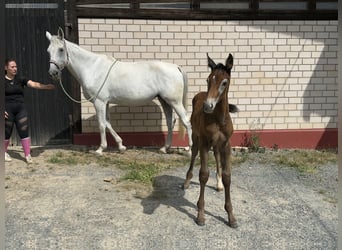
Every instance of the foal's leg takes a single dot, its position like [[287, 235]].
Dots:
[[170, 124], [203, 178], [218, 169], [194, 152], [116, 137], [226, 178]]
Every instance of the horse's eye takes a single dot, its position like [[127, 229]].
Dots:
[[224, 83], [61, 50]]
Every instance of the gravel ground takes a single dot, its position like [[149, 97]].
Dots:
[[85, 207]]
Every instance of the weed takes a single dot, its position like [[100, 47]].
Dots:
[[305, 160], [141, 172]]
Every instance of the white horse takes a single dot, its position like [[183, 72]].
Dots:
[[106, 80]]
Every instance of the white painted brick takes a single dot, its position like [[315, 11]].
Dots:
[[91, 27], [275, 64]]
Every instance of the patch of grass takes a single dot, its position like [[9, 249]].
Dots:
[[144, 170], [141, 172], [331, 200], [240, 158], [306, 161], [141, 166], [62, 159]]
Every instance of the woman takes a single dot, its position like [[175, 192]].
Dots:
[[15, 110]]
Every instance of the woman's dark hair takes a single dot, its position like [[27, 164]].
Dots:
[[7, 61]]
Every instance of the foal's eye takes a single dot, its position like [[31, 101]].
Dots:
[[61, 50], [224, 83]]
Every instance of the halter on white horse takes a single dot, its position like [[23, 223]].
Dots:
[[127, 83]]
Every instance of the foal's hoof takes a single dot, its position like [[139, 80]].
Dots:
[[200, 222], [186, 186], [233, 225]]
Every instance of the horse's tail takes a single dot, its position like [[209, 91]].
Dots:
[[181, 127]]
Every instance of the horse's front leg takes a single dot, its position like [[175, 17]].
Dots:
[[226, 178], [219, 184], [203, 178], [100, 108]]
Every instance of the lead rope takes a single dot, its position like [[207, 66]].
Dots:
[[93, 97]]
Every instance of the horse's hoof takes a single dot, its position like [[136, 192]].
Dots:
[[163, 150], [219, 189], [185, 186], [122, 149], [200, 222], [97, 152], [233, 225]]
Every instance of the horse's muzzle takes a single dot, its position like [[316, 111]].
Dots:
[[208, 107], [54, 72]]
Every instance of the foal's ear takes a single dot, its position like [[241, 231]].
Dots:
[[60, 33], [211, 63], [48, 35], [229, 62]]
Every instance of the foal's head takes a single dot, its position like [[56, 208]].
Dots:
[[218, 83]]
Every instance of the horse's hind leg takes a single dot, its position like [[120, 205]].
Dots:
[[116, 137], [194, 152], [181, 112], [170, 124]]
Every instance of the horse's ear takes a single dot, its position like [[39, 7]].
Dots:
[[229, 62], [211, 63], [48, 35], [60, 33]]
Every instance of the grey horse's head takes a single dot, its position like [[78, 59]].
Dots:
[[58, 54]]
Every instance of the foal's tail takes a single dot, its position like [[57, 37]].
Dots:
[[181, 127]]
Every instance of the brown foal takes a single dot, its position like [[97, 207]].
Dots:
[[212, 127]]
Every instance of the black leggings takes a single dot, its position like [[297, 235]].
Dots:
[[17, 115]]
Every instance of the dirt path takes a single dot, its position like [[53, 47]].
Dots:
[[84, 207]]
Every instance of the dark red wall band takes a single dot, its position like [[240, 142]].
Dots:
[[301, 138]]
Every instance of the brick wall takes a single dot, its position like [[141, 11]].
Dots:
[[284, 75]]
